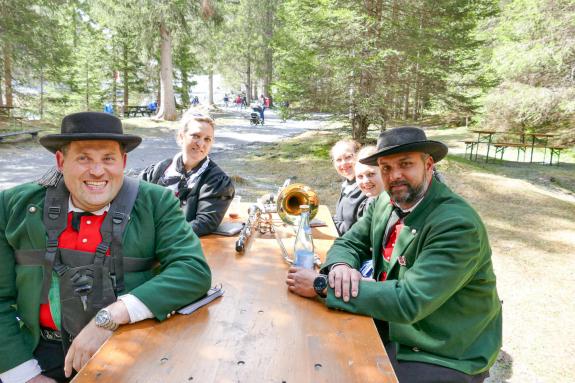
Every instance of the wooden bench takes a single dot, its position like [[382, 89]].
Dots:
[[32, 132], [501, 146], [470, 145]]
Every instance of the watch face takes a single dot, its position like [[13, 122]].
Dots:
[[320, 283], [102, 317]]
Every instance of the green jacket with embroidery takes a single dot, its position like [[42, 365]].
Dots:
[[440, 297], [157, 229]]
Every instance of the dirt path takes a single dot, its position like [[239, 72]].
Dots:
[[25, 160]]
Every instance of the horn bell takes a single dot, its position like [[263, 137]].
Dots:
[[291, 197]]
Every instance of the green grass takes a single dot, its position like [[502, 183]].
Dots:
[[306, 147]]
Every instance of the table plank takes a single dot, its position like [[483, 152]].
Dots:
[[258, 331]]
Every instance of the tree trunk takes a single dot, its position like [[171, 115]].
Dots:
[[114, 91], [1, 94], [185, 89], [87, 86], [406, 101], [126, 97], [359, 125], [41, 92], [159, 95], [268, 51], [167, 109], [8, 74], [249, 79], [211, 87]]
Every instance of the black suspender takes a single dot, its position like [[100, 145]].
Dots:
[[55, 221]]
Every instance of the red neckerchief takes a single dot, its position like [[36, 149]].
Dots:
[[387, 250]]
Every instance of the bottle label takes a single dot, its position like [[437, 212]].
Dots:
[[304, 259]]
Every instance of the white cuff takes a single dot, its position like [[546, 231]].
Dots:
[[136, 309], [21, 373]]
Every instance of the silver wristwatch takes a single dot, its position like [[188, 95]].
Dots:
[[104, 319]]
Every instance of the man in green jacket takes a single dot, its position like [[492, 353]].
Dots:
[[433, 298], [86, 252]]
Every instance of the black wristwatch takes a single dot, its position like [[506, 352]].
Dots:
[[104, 319], [319, 284]]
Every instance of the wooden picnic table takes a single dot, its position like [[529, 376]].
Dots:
[[32, 132], [534, 136], [257, 332], [6, 110], [134, 110], [483, 136], [526, 141]]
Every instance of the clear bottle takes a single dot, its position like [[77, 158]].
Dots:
[[303, 247]]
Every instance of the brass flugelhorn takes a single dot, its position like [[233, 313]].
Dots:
[[291, 197]]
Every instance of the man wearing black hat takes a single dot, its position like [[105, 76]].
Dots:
[[434, 297], [76, 254]]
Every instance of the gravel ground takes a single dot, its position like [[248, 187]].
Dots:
[[25, 160]]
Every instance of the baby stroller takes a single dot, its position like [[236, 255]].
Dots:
[[255, 116]]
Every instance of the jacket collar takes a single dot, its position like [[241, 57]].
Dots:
[[411, 226]]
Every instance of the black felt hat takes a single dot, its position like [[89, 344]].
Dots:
[[90, 126], [405, 139]]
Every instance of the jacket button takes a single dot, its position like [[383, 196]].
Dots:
[[169, 315], [32, 209], [413, 231], [415, 349]]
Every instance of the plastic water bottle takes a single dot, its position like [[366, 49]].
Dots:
[[303, 247]]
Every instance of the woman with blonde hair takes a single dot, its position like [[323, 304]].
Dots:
[[368, 179], [205, 191], [343, 156]]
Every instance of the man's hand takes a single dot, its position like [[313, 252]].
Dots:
[[300, 281], [344, 280], [91, 338], [41, 379], [84, 346]]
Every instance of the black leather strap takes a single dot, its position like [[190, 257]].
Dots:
[[35, 258], [55, 221]]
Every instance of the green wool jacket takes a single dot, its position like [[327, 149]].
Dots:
[[157, 229], [441, 302]]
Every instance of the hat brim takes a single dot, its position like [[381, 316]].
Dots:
[[53, 142], [437, 150]]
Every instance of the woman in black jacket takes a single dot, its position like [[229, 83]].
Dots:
[[205, 191]]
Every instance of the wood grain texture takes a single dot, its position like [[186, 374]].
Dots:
[[257, 332]]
